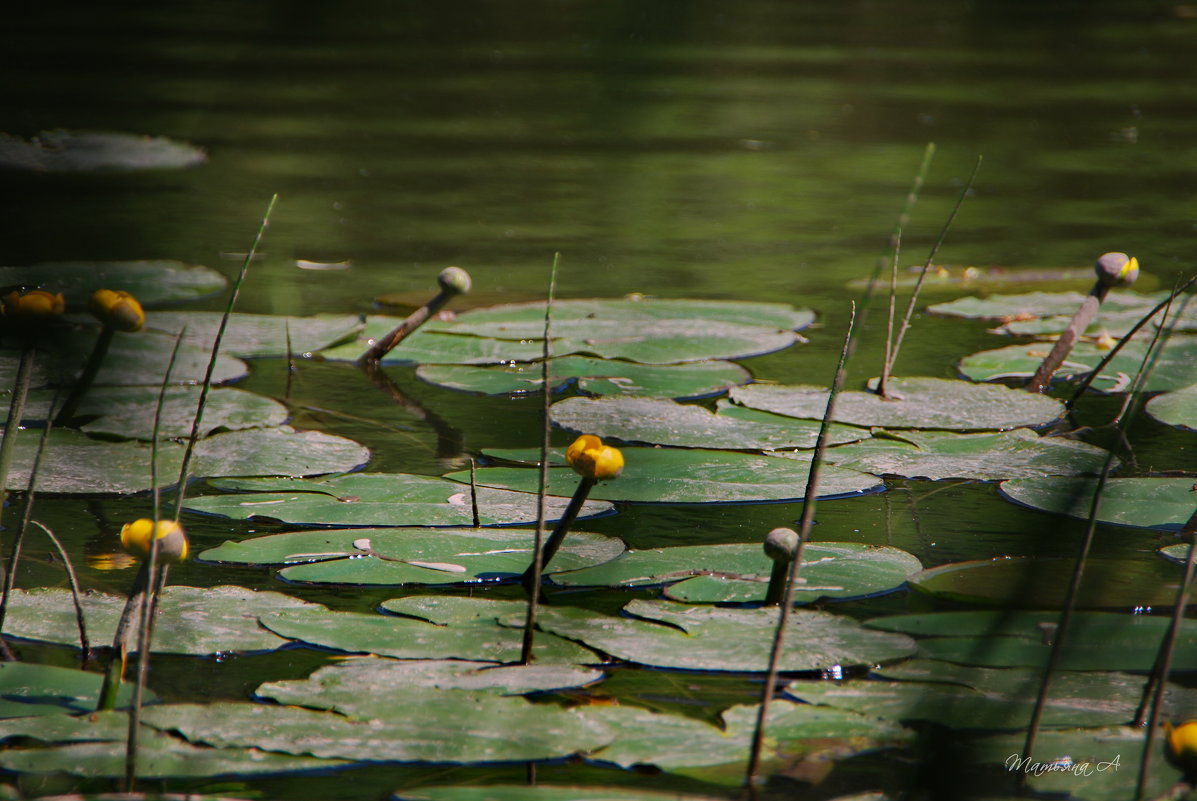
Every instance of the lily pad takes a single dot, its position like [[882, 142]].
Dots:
[[917, 403], [1012, 638], [86, 151], [1164, 503], [376, 499], [75, 463], [592, 377], [476, 637], [191, 620], [675, 475], [152, 282], [358, 686], [938, 455], [673, 635], [410, 556], [1035, 305], [430, 346], [1031, 583], [723, 573], [1172, 369], [28, 689], [257, 335], [1177, 408], [665, 422]]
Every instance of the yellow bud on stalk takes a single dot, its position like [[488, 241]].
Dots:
[[172, 540], [34, 303], [117, 309], [590, 458]]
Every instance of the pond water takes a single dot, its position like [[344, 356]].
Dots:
[[754, 151]]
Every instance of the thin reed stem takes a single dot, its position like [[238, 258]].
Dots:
[[73, 580]]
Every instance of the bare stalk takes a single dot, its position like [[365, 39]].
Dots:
[[453, 281], [73, 580]]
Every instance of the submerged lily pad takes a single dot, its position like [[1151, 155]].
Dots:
[[28, 689], [1012, 638], [151, 282], [673, 635], [938, 455], [675, 475], [1030, 583], [191, 620], [723, 573], [85, 151], [74, 463], [1172, 370], [1164, 503], [257, 335], [376, 499], [917, 403], [592, 377], [665, 422], [410, 556], [1177, 408]]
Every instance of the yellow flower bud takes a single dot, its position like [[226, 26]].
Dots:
[[172, 540], [1182, 744], [34, 303], [589, 457], [117, 309]]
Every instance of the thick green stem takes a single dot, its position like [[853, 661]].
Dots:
[[96, 360], [558, 536], [16, 410], [116, 667]]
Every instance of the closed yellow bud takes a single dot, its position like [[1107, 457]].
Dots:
[[589, 457], [117, 309], [1182, 745], [172, 540], [34, 303]]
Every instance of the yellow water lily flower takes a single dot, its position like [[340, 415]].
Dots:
[[34, 303], [589, 457], [117, 309], [172, 540], [1182, 744]]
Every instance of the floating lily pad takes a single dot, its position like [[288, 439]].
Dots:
[[86, 151], [151, 282], [592, 377], [431, 346], [722, 573], [27, 689], [376, 499], [665, 422], [191, 620], [1177, 408], [358, 686], [1164, 503], [918, 403], [410, 556], [478, 639], [673, 635], [1030, 583], [1012, 638], [257, 335], [955, 277], [516, 320], [965, 697], [938, 455], [1172, 370], [676, 475], [76, 463], [1034, 305]]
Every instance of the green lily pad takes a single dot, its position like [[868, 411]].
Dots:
[[85, 151], [1031, 583], [376, 499], [94, 746], [28, 689], [517, 320], [1012, 638], [431, 346], [1177, 408], [257, 335], [938, 455], [966, 697], [151, 282], [740, 573], [665, 422], [191, 620], [395, 557], [469, 632], [919, 403], [76, 463], [358, 686], [676, 475], [1164, 503], [1060, 305], [542, 792], [1172, 369], [592, 377], [673, 635]]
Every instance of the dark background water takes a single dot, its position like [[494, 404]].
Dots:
[[758, 150]]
